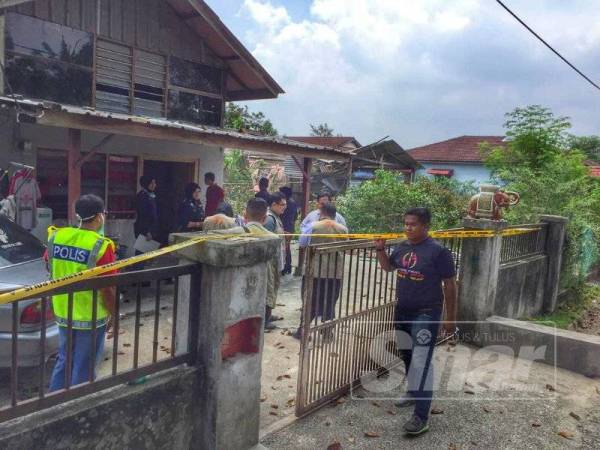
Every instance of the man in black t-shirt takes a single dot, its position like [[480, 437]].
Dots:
[[426, 280]]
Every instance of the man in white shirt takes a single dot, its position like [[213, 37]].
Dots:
[[323, 198]]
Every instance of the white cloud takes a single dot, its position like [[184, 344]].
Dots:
[[421, 70]]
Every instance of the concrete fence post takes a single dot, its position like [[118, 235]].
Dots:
[[229, 333], [555, 240], [480, 266]]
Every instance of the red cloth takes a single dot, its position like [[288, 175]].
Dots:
[[214, 196]]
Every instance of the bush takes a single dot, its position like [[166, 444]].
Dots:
[[378, 205]]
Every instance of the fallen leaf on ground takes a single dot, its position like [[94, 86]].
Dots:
[[550, 387], [375, 404], [279, 304], [274, 406], [391, 412], [340, 400], [291, 402], [536, 424], [274, 388], [566, 434], [334, 446], [486, 409], [281, 348], [328, 423], [469, 391], [126, 345], [575, 416], [351, 440], [263, 398], [273, 413], [437, 411], [371, 434], [451, 447], [280, 377], [287, 376]]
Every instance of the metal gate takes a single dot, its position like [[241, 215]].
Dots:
[[348, 301]]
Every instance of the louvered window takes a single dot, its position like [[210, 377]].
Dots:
[[129, 81]]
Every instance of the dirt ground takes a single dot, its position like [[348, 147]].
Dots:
[[589, 322]]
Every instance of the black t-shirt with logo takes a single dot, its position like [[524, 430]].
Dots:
[[420, 271]]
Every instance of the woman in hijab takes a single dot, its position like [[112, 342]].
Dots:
[[191, 212], [146, 222]]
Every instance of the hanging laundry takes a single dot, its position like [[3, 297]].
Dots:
[[26, 191]]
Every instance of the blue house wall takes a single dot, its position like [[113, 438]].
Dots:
[[462, 172]]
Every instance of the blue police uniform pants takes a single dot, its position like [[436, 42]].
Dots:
[[82, 352], [417, 335]]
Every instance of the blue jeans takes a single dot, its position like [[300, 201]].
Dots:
[[416, 336], [80, 361]]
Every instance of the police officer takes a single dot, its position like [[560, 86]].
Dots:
[[71, 250]]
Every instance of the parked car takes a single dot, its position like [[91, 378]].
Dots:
[[21, 264]]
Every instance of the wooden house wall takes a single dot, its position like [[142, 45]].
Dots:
[[146, 24]]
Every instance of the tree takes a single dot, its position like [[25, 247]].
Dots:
[[241, 119], [588, 145], [534, 137], [321, 129]]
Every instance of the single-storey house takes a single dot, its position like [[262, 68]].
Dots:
[[459, 158], [96, 93]]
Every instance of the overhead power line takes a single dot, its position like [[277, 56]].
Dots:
[[548, 45]]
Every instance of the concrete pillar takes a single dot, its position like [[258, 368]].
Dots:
[[480, 262], [228, 336], [74, 172], [555, 239]]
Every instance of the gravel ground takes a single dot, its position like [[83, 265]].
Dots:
[[479, 420]]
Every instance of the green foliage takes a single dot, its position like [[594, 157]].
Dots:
[[378, 205], [588, 145], [238, 180], [240, 119], [551, 180], [321, 129], [534, 138]]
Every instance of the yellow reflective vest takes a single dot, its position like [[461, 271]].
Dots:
[[71, 250]]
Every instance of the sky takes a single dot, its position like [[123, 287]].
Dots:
[[419, 71]]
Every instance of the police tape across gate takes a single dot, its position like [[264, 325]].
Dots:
[[41, 288]]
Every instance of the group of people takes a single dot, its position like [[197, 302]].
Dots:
[[425, 275]]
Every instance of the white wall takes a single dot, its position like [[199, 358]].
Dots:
[[462, 172]]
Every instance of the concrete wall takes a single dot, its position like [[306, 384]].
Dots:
[[462, 172], [524, 287], [158, 414]]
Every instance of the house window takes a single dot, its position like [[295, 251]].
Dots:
[[195, 92], [441, 172], [48, 61]]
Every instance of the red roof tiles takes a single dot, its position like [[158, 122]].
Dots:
[[459, 149]]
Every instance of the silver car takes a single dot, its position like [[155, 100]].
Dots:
[[21, 264]]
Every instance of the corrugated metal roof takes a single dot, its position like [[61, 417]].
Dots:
[[39, 107]]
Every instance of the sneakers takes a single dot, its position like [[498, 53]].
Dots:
[[405, 402], [415, 426]]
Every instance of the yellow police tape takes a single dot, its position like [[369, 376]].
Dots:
[[41, 288]]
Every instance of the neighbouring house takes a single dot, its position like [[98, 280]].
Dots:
[[594, 168], [97, 93], [336, 176], [459, 158]]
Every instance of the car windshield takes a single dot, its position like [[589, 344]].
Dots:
[[17, 245]]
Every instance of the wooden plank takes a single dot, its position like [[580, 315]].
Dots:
[[74, 172], [58, 11], [74, 14], [116, 20], [42, 9], [153, 25], [26, 8], [129, 17], [306, 186], [141, 20], [104, 18], [89, 9]]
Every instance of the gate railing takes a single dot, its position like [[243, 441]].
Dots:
[[348, 301], [524, 245], [153, 293]]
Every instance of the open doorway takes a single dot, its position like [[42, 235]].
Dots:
[[171, 178]]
